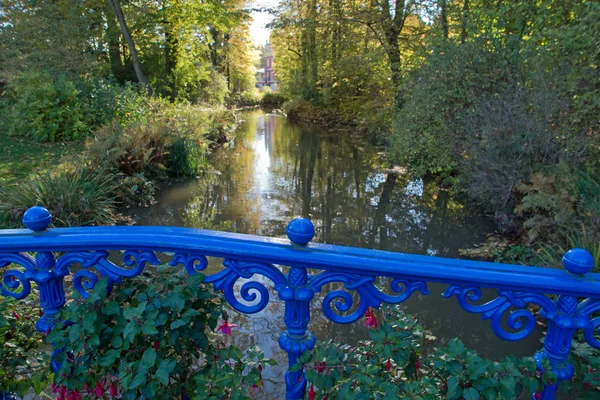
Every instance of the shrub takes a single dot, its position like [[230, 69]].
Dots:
[[392, 364], [135, 190], [152, 339], [23, 365], [188, 157], [214, 89], [45, 107], [77, 197], [247, 98], [273, 99]]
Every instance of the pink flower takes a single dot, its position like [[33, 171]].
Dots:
[[311, 393], [156, 345], [112, 390], [371, 321], [226, 328], [98, 390], [388, 365], [74, 395]]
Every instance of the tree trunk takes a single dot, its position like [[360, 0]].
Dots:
[[394, 57], [137, 66], [444, 18], [114, 47]]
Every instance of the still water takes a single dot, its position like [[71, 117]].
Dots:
[[273, 171]]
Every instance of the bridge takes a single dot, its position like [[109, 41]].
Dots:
[[567, 298]]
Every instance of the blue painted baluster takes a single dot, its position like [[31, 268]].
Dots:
[[562, 325], [48, 280], [297, 296]]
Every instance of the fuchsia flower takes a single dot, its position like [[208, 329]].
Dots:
[[417, 364], [156, 345], [226, 328], [311, 393], [371, 321], [75, 395], [321, 367], [388, 365], [17, 316], [98, 390], [112, 390]]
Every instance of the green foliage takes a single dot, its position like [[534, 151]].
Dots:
[[188, 157], [213, 90], [247, 98], [393, 365], [23, 365], [135, 190], [273, 99], [44, 107], [153, 339], [74, 197]]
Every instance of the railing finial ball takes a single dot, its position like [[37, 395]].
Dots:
[[578, 261], [300, 231], [37, 218]]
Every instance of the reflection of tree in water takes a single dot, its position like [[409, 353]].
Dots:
[[274, 170]]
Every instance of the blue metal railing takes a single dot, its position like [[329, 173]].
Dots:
[[57, 250]]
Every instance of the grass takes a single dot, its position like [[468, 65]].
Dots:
[[21, 158]]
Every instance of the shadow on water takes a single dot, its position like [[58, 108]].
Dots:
[[274, 170]]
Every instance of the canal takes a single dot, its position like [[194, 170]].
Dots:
[[274, 170]]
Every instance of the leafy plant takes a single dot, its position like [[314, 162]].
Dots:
[[152, 338], [76, 197], [45, 107], [393, 365], [23, 365]]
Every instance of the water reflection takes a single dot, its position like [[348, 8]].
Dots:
[[273, 171]]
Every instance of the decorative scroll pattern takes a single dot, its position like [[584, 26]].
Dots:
[[226, 279], [591, 328], [521, 321], [369, 295], [14, 279]]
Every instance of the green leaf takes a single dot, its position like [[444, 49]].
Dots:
[[162, 376], [148, 358], [377, 335], [177, 323], [111, 308], [470, 394], [139, 379], [109, 358]]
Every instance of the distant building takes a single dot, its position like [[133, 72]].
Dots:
[[265, 76]]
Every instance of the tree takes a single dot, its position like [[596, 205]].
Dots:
[[137, 66]]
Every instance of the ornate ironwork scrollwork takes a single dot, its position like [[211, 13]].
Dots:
[[369, 294], [250, 291], [520, 320], [14, 279]]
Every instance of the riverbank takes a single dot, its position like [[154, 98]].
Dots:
[[88, 182], [548, 213]]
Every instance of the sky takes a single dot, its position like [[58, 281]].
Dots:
[[258, 31]]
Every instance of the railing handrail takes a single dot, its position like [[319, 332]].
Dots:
[[327, 257], [357, 269]]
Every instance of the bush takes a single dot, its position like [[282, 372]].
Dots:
[[23, 365], [273, 99], [152, 339], [214, 90], [392, 364], [78, 197], [134, 190], [188, 157], [248, 98], [45, 107]]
